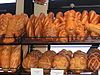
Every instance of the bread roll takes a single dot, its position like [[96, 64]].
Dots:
[[15, 59], [5, 57]]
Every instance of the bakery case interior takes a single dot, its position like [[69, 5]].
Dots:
[[67, 39]]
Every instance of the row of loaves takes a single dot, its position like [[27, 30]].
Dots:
[[10, 57], [76, 62], [68, 26]]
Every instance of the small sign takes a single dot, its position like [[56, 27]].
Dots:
[[86, 73], [99, 72], [57, 72], [36, 71]]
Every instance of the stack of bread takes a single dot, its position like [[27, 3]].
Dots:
[[70, 26], [64, 27], [10, 58], [76, 62], [12, 26]]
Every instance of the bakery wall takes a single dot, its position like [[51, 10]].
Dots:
[[20, 6], [41, 48]]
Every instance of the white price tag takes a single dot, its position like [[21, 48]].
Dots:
[[57, 72], [36, 71], [99, 72]]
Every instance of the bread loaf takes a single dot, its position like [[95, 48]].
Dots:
[[4, 22], [15, 58], [47, 59], [79, 62], [31, 61], [94, 59], [5, 57], [60, 62], [66, 53]]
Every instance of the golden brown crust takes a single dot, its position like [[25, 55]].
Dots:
[[45, 62], [5, 57], [85, 17], [66, 53], [37, 53], [94, 59], [15, 59], [29, 29], [92, 14], [80, 53], [60, 62], [63, 36], [31, 61], [51, 31], [78, 64]]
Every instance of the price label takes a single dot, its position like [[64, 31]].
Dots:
[[36, 71], [57, 72], [99, 72]]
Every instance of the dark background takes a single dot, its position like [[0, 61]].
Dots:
[[8, 8], [57, 5], [54, 6]]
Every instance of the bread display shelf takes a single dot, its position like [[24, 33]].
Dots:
[[28, 73], [42, 41]]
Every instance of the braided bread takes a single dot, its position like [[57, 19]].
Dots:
[[94, 59]]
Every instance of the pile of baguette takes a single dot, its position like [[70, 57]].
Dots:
[[64, 27]]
